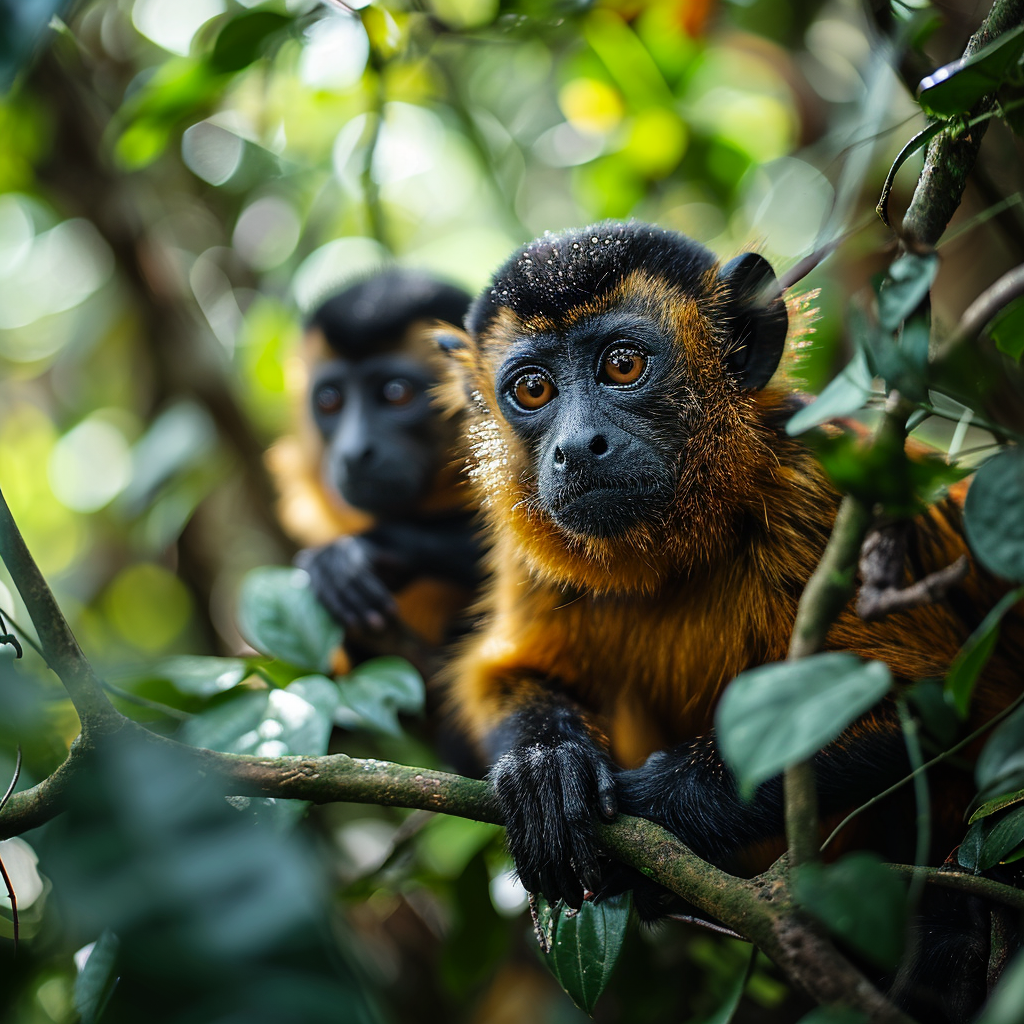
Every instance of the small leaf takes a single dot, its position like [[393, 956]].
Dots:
[[994, 514], [904, 287], [859, 900], [996, 804], [585, 946], [989, 840], [244, 38], [98, 977], [956, 87], [974, 655], [199, 675], [1007, 330], [776, 715], [845, 394], [374, 693], [1000, 766], [278, 613]]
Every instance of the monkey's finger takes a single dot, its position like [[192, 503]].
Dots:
[[606, 799], [374, 600]]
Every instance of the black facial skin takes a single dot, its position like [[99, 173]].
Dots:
[[591, 401], [380, 430]]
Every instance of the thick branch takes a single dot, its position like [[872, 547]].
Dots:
[[951, 156]]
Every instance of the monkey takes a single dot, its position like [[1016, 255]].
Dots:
[[653, 527], [370, 486]]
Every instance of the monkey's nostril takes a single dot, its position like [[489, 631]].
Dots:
[[559, 457], [599, 445]]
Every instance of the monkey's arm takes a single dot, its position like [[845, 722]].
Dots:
[[691, 792], [554, 783], [354, 577]]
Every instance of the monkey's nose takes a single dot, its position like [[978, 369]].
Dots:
[[580, 450]]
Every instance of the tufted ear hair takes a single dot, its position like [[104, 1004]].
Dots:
[[456, 389], [757, 318], [450, 339]]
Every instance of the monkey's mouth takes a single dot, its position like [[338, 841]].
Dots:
[[606, 512]]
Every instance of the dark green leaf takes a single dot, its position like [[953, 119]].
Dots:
[[904, 287], [96, 981], [374, 693], [1000, 767], [1006, 1004], [991, 838], [728, 1007], [776, 715], [859, 900], [956, 87], [244, 39], [279, 615], [847, 392], [269, 723], [938, 719], [994, 514], [199, 675], [834, 1015], [585, 946], [1007, 330], [997, 804], [974, 654]]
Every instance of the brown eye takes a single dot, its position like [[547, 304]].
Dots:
[[328, 399], [533, 390], [622, 365], [398, 392]]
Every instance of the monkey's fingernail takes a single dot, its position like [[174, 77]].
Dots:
[[375, 620]]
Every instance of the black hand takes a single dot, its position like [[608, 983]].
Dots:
[[344, 577], [552, 795]]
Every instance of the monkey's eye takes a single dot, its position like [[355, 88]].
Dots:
[[533, 390], [328, 399], [398, 392], [622, 364]]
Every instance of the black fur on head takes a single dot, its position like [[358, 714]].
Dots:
[[559, 273], [373, 315]]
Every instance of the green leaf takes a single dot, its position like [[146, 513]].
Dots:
[[585, 945], [1000, 767], [199, 675], [990, 839], [728, 1007], [859, 900], [904, 287], [448, 844], [845, 394], [1005, 1004], [375, 692], [956, 87], [996, 804], [994, 514], [974, 654], [1007, 330], [244, 39], [279, 615], [776, 715], [96, 981], [834, 1015], [269, 723]]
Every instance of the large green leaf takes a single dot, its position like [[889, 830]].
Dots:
[[1000, 767], [974, 654], [279, 615], [859, 900], [1006, 1004], [955, 88], [1007, 330], [96, 981], [779, 714], [994, 514], [991, 838], [585, 945], [904, 287], [245, 38], [376, 692], [199, 675], [269, 723], [845, 394]]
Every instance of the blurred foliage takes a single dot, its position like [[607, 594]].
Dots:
[[180, 182]]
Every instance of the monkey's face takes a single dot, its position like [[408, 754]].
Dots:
[[597, 406], [384, 442]]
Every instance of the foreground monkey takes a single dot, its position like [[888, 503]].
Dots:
[[370, 482], [653, 529]]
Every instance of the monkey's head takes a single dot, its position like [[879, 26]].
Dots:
[[372, 368], [616, 379]]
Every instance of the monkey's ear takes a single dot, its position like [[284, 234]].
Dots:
[[449, 339], [758, 321]]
